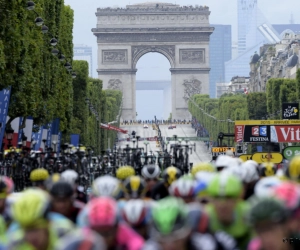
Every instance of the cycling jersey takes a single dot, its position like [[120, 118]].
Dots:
[[197, 241], [159, 191], [239, 229], [128, 239]]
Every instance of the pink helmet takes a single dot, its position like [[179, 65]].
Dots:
[[102, 211], [289, 193]]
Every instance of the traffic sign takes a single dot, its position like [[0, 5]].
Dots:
[[222, 149], [290, 152], [245, 157], [267, 157]]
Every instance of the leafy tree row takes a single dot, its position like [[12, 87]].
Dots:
[[41, 86], [105, 102]]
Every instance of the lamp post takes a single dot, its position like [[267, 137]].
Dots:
[[146, 144]]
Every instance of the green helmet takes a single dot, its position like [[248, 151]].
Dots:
[[225, 185], [169, 215], [267, 209]]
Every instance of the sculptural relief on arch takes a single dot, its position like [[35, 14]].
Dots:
[[180, 33]]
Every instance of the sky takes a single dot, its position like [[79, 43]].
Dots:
[[222, 12]]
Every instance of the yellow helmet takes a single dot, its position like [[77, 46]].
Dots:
[[203, 166], [171, 174], [125, 172], [293, 170], [39, 174], [268, 169], [31, 208], [134, 186]]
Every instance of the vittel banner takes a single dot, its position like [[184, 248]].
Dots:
[[285, 133]]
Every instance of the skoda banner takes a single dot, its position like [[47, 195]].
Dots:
[[290, 111], [290, 152]]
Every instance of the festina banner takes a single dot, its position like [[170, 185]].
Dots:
[[285, 133], [252, 133], [290, 111]]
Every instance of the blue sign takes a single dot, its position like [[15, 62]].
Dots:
[[37, 137], [49, 134], [58, 143], [4, 103], [55, 126], [263, 131], [20, 130], [75, 140]]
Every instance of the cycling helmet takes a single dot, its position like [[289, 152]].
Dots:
[[171, 174], [265, 186], [224, 161], [31, 208], [289, 194], [80, 239], [102, 211], [293, 170], [150, 171], [39, 174], [268, 209], [203, 166], [62, 189], [169, 215], [125, 172], [251, 172], [267, 169], [10, 200], [10, 186], [134, 186], [281, 175], [183, 188], [237, 171], [225, 185], [106, 186], [70, 176], [135, 213], [3, 188], [51, 180]]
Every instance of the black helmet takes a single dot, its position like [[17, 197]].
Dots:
[[62, 189], [150, 171]]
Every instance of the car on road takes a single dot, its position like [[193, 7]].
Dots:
[[146, 126], [174, 125], [170, 127]]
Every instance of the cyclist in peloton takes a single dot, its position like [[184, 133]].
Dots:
[[151, 175]]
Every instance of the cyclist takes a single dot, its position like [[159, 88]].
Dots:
[[72, 177], [265, 186], [36, 231], [81, 239], [171, 230], [124, 172], [202, 167], [224, 161], [63, 201], [267, 169], [103, 219], [269, 218], [169, 175], [134, 187], [151, 175], [136, 213], [293, 169], [227, 211], [38, 177], [251, 177]]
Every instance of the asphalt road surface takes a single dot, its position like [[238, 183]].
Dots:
[[201, 153]]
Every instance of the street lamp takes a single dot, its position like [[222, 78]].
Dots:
[[55, 52], [74, 75], [61, 57], [9, 135], [39, 21], [53, 41], [67, 65], [45, 29], [146, 144], [30, 5]]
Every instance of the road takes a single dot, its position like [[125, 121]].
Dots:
[[200, 155]]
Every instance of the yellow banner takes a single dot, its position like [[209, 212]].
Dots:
[[221, 149], [268, 122], [245, 157], [267, 157]]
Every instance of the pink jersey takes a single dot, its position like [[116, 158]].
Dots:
[[128, 238]]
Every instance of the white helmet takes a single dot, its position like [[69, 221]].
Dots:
[[150, 171], [251, 173], [204, 176], [225, 161], [106, 186], [69, 176], [135, 212], [183, 187], [236, 170], [265, 186]]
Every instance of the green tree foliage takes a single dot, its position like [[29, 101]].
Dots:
[[257, 105], [41, 86]]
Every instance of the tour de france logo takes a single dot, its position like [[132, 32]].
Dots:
[[290, 111]]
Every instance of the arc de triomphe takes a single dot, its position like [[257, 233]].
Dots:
[[180, 33]]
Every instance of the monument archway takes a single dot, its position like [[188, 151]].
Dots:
[[180, 33]]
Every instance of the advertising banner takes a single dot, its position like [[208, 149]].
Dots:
[[37, 137], [221, 150], [290, 152], [285, 133], [267, 157], [245, 157], [290, 111], [4, 103], [252, 133]]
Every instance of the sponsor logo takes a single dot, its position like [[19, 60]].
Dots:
[[262, 139], [239, 133], [259, 131]]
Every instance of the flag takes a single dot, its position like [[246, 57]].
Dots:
[[4, 104], [37, 137], [59, 142], [75, 140], [49, 134]]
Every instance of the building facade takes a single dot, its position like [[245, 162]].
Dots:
[[85, 53], [220, 48], [221, 88], [279, 60]]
